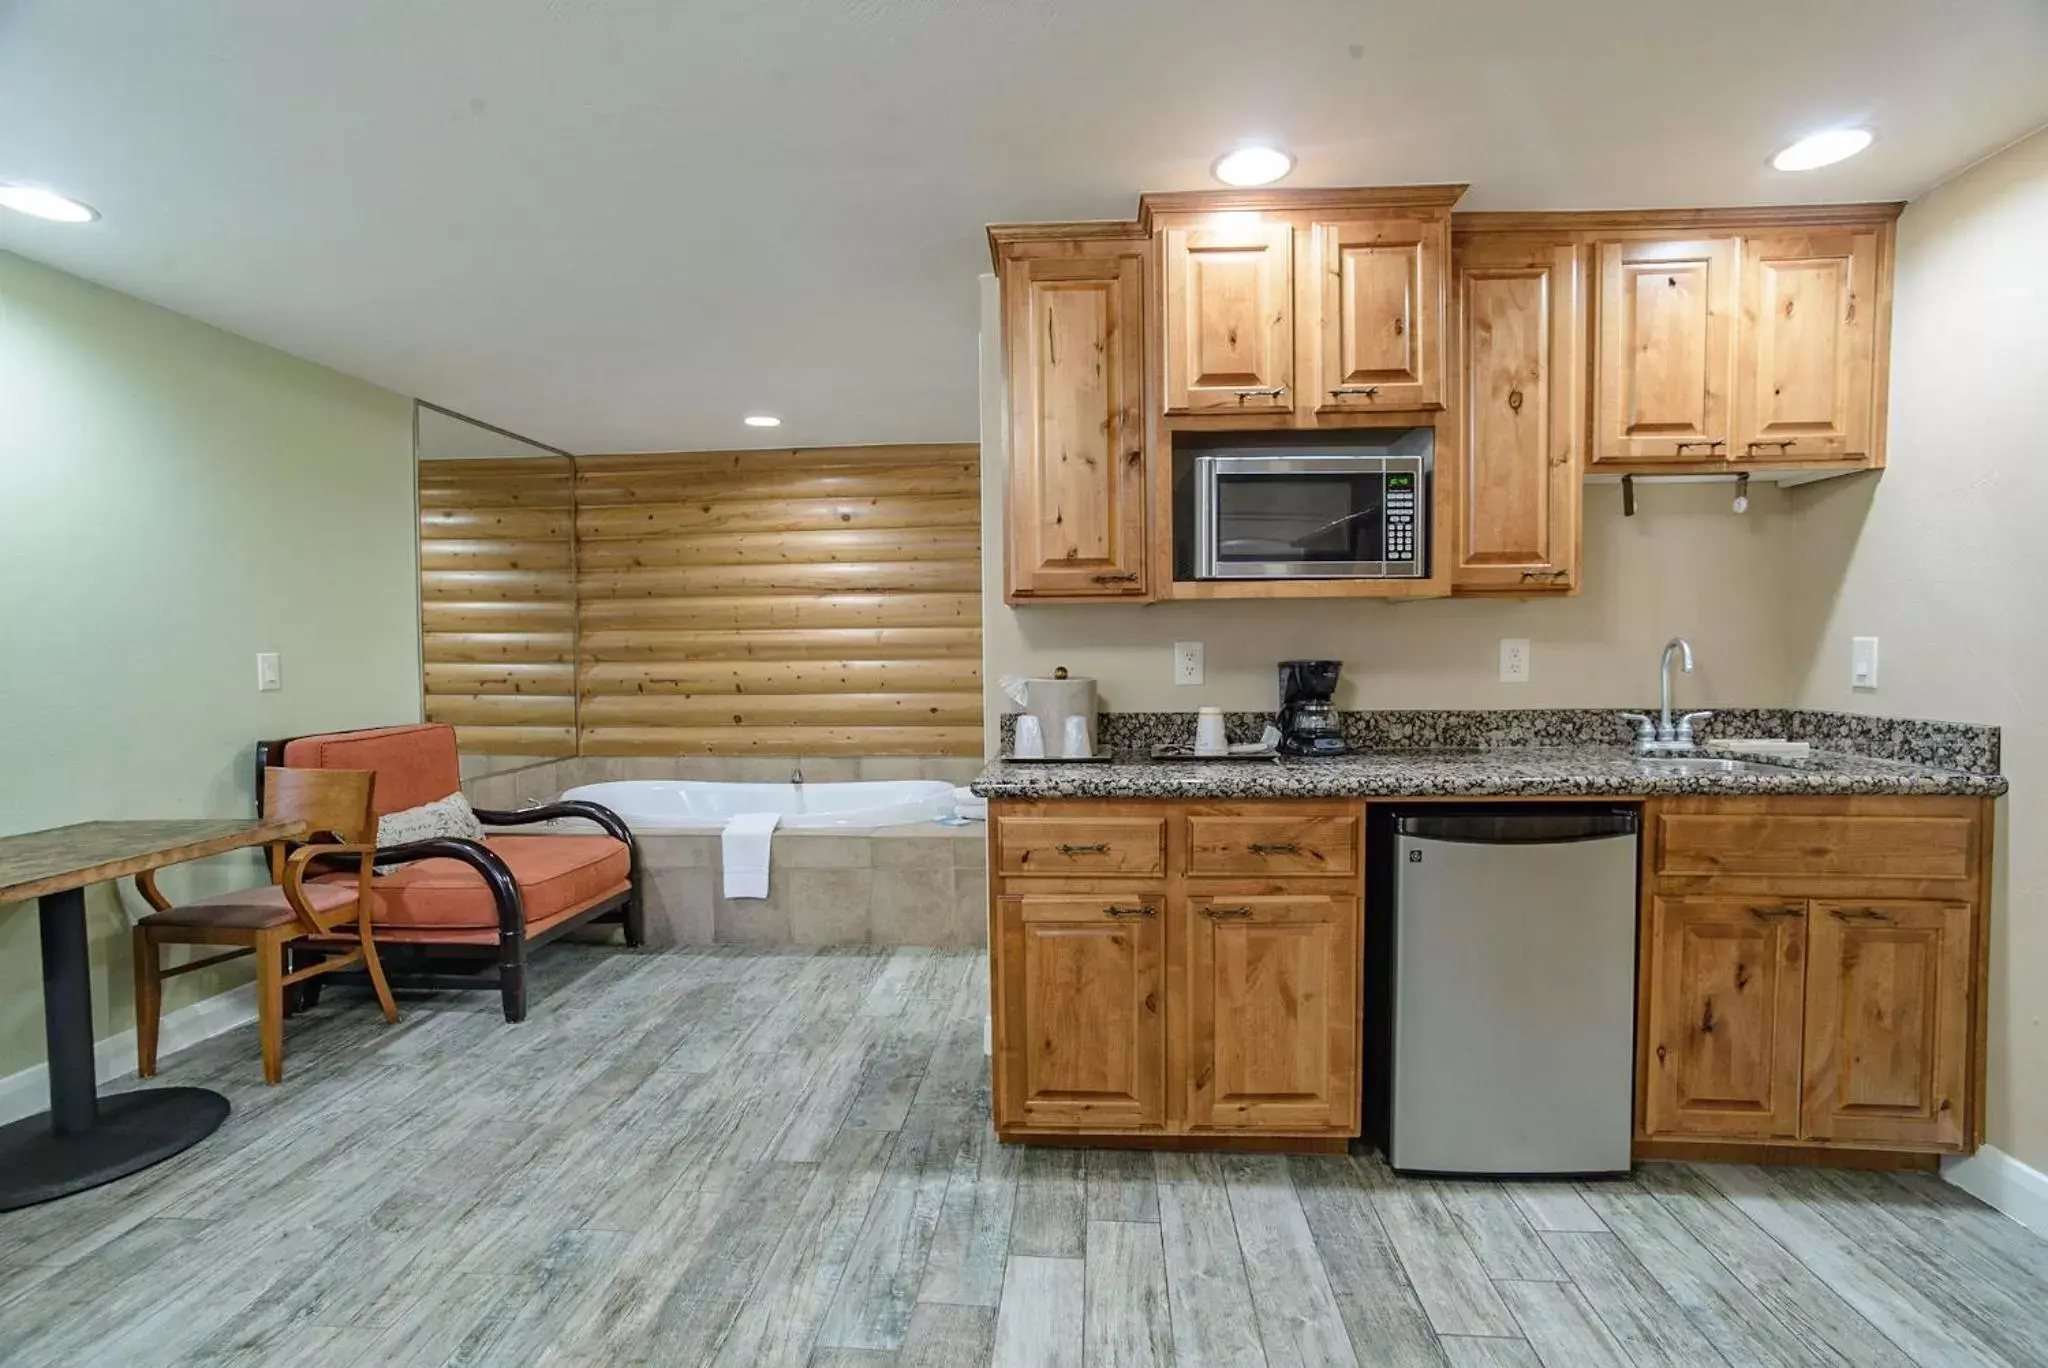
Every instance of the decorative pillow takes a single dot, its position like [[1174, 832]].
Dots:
[[444, 817]]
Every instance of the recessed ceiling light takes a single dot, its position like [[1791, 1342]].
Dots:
[[1822, 149], [1252, 166], [762, 420], [37, 202]]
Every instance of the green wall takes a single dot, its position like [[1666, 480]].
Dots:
[[174, 499]]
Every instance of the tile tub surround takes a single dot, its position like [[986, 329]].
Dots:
[[1500, 772], [1959, 746], [925, 884]]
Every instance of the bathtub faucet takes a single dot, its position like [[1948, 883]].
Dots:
[[796, 773]]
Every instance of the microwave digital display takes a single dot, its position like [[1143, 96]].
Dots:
[[1312, 514]]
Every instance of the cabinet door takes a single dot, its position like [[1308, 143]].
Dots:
[[1229, 318], [1520, 315], [1076, 526], [1806, 362], [1270, 1025], [1722, 1037], [1080, 1040], [1664, 351], [1888, 1023], [1382, 313]]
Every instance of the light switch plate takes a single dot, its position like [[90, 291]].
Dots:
[[1514, 660], [1863, 662], [269, 675], [1187, 662]]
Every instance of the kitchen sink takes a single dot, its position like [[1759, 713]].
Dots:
[[1704, 764]]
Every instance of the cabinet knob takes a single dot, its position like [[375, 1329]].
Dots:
[[1226, 913]]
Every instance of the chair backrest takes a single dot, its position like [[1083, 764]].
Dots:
[[340, 802], [414, 764]]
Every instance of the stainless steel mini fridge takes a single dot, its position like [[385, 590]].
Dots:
[[1513, 1013]]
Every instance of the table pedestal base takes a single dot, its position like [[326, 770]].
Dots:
[[134, 1130]]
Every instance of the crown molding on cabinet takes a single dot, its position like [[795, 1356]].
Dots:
[[1776, 217]]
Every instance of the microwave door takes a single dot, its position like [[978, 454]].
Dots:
[[1295, 524]]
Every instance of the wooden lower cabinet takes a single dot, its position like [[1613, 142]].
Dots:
[[1793, 995], [1213, 993], [1270, 1031], [1082, 1043]]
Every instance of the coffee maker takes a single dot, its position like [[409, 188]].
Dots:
[[1308, 719]]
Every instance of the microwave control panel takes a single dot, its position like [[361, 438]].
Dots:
[[1400, 513]]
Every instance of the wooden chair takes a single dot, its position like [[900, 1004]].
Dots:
[[328, 915]]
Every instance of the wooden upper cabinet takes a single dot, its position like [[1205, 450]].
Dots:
[[1081, 993], [1806, 363], [1888, 1022], [1229, 317], [1075, 351], [1271, 1013], [1664, 351], [1726, 982], [1518, 311], [1382, 343]]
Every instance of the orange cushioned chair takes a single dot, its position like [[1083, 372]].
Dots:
[[439, 903]]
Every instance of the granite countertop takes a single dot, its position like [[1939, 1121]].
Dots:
[[1509, 771]]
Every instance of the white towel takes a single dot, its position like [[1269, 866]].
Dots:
[[744, 846]]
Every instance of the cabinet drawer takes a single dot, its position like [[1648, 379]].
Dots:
[[1273, 845], [1081, 845], [1860, 847]]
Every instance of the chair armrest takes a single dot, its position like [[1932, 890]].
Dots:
[[597, 813], [300, 860]]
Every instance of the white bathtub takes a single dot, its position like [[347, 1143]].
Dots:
[[684, 805]]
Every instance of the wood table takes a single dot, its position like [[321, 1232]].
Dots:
[[85, 1140]]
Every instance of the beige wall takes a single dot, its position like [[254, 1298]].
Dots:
[[1686, 564], [174, 499], [1944, 560]]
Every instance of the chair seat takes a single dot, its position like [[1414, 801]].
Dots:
[[556, 874], [253, 909]]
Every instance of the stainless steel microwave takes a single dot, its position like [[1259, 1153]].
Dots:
[[1325, 512]]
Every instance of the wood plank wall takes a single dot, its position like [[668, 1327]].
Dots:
[[823, 601], [498, 603]]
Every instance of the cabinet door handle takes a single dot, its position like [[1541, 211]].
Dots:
[[1226, 913], [1275, 848], [1146, 910], [1268, 392], [1683, 447], [1776, 913], [1099, 848], [1362, 391], [1546, 574], [1783, 446], [1121, 577], [1859, 914]]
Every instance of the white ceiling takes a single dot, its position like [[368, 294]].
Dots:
[[622, 224]]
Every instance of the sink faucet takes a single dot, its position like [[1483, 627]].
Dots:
[[1660, 736]]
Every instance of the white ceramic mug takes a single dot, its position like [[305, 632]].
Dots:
[[1209, 739], [1030, 738], [1074, 744]]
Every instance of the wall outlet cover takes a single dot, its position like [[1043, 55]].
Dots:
[[1187, 662], [1514, 660], [269, 675], [1863, 662]]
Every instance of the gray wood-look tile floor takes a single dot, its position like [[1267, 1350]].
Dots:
[[783, 1157]]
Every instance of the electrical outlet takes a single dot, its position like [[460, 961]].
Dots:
[[1187, 662], [269, 679], [1514, 660], [1863, 663]]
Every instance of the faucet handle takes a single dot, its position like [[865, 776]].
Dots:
[[1686, 724], [1646, 727]]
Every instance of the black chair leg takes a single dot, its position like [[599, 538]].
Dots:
[[635, 922], [512, 990]]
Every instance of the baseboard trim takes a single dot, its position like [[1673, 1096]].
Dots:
[[2002, 1182], [28, 1092]]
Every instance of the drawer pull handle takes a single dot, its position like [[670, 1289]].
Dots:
[[1859, 914], [1147, 910], [1123, 577], [1776, 913], [1263, 392], [1683, 447], [1226, 913], [1275, 848], [1783, 446], [1099, 848], [1362, 391]]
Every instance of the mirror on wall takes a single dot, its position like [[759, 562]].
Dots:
[[497, 601]]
